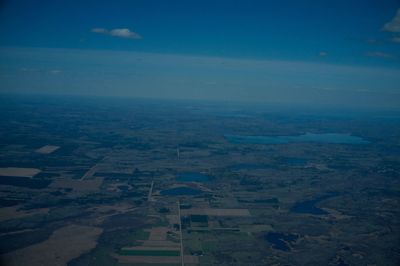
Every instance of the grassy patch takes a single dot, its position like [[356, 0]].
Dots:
[[125, 252]]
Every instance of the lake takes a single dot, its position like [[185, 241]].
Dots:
[[177, 191], [280, 240], [309, 207], [308, 137]]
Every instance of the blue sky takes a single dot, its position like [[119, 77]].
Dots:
[[337, 48]]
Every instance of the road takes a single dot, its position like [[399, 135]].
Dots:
[[180, 231], [150, 191]]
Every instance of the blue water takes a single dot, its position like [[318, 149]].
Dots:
[[280, 240], [309, 207], [177, 191], [308, 137], [192, 177]]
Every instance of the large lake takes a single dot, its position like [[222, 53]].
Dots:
[[308, 137], [309, 207]]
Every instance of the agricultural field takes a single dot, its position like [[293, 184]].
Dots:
[[47, 149], [63, 245], [135, 182], [18, 172]]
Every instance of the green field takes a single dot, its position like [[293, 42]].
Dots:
[[150, 252]]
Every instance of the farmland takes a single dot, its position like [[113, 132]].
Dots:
[[135, 182]]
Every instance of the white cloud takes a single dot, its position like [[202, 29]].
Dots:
[[40, 71], [328, 89], [99, 30], [122, 33], [27, 69], [125, 33], [380, 54], [55, 72], [372, 41], [323, 54], [394, 25], [396, 39]]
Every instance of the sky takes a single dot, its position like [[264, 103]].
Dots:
[[299, 51]]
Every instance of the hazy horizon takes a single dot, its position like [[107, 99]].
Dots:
[[309, 53], [171, 76]]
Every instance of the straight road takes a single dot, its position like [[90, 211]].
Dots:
[[180, 230]]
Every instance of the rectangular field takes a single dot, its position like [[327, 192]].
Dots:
[[158, 233], [216, 212], [63, 245], [78, 185], [148, 259], [130, 252], [18, 172], [47, 149], [189, 259]]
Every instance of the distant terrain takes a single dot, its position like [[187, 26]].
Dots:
[[96, 181]]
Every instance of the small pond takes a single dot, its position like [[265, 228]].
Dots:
[[280, 241]]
